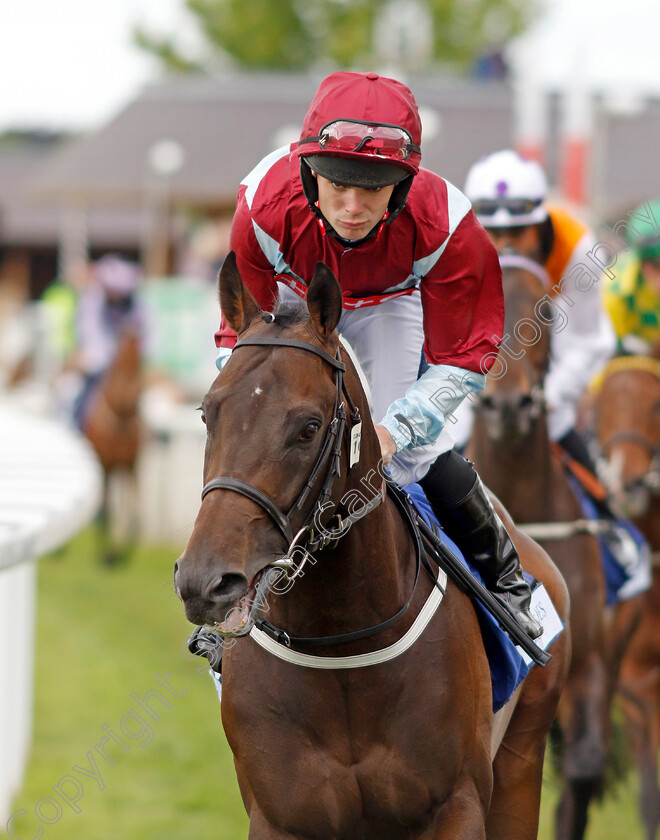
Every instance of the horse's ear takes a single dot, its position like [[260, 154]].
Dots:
[[236, 301], [324, 300]]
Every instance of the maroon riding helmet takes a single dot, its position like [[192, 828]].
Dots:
[[361, 130]]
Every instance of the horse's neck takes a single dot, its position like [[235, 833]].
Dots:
[[364, 580], [522, 474], [121, 384]]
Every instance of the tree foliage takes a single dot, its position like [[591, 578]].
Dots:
[[299, 34]]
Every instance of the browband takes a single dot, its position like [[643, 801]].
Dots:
[[292, 342]]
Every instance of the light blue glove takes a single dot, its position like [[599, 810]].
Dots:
[[419, 416], [223, 354]]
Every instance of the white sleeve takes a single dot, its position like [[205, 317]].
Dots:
[[419, 416], [223, 356], [583, 345]]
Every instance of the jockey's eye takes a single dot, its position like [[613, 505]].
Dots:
[[310, 430], [342, 187]]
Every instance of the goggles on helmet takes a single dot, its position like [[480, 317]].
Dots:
[[382, 139], [515, 206]]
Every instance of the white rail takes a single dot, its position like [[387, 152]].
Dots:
[[50, 487]]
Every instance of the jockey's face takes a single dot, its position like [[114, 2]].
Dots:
[[523, 240], [352, 211]]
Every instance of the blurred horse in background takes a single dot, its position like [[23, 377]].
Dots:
[[513, 453], [111, 424], [627, 419]]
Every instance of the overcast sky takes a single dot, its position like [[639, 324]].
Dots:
[[70, 63]]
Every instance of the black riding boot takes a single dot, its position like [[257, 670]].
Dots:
[[477, 530]]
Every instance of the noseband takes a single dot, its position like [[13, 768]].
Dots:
[[329, 456]]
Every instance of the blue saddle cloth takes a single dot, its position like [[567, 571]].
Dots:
[[616, 576], [508, 668]]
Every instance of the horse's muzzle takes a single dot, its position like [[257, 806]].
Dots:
[[208, 598]]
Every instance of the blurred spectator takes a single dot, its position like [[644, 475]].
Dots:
[[491, 66], [632, 296], [105, 307], [60, 301]]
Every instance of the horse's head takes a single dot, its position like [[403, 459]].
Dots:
[[278, 419], [513, 398], [627, 409]]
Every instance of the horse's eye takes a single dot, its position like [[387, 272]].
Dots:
[[204, 419], [310, 430]]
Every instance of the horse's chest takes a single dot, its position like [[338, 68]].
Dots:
[[342, 758], [328, 794]]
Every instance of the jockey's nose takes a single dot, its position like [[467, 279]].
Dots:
[[354, 201], [208, 597]]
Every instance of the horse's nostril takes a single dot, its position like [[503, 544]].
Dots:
[[232, 585]]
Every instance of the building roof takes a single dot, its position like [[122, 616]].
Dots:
[[26, 220], [226, 125]]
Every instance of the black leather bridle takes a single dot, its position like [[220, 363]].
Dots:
[[329, 457]]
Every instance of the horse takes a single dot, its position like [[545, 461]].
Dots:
[[363, 743], [512, 451], [627, 424], [111, 424]]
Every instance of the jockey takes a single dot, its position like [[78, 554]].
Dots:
[[632, 297], [508, 195], [416, 270]]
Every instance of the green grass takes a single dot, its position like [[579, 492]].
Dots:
[[102, 635], [613, 818]]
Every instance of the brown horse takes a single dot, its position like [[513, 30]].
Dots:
[[513, 453], [111, 424], [352, 746], [627, 414]]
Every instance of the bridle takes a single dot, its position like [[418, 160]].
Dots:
[[329, 459], [330, 456], [533, 400], [651, 478]]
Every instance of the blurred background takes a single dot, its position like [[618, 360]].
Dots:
[[125, 129]]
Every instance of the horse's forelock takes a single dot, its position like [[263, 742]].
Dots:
[[289, 312]]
